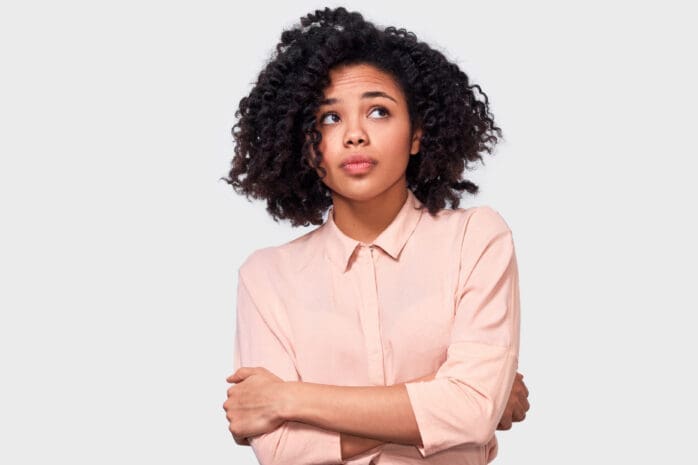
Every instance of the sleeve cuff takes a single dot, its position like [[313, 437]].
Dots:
[[454, 410], [430, 438], [295, 442]]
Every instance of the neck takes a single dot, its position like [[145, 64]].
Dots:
[[364, 220]]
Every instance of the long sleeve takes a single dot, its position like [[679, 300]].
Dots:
[[259, 343], [465, 401]]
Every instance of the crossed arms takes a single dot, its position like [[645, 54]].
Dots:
[[474, 392], [351, 411]]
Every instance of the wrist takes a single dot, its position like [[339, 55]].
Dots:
[[287, 406]]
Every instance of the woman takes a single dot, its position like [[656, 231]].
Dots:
[[389, 334]]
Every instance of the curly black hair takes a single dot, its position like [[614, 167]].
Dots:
[[277, 124]]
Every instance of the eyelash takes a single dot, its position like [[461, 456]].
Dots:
[[383, 109]]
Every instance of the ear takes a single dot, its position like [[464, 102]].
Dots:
[[416, 137]]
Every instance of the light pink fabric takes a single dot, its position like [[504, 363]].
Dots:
[[431, 292]]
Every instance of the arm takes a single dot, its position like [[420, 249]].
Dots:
[[515, 411], [355, 445], [376, 412], [259, 342], [465, 401]]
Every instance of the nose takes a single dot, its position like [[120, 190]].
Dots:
[[355, 135]]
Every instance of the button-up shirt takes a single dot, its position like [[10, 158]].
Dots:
[[432, 293]]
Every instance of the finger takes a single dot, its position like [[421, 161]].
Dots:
[[505, 420], [241, 441], [524, 389], [525, 404], [518, 414], [504, 424]]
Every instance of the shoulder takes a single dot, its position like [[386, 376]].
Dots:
[[484, 229], [474, 227], [485, 219], [480, 219], [269, 263]]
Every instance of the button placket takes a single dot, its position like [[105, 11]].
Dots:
[[372, 328]]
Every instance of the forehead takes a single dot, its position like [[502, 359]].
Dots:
[[359, 78]]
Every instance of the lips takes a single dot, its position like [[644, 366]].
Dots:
[[358, 165], [357, 159]]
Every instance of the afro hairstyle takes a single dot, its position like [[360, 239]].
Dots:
[[276, 122]]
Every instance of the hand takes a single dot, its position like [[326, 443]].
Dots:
[[254, 404], [517, 405]]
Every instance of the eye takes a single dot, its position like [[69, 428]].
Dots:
[[384, 111], [327, 118]]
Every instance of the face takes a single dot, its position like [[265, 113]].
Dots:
[[364, 114]]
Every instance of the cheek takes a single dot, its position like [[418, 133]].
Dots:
[[328, 142], [399, 143]]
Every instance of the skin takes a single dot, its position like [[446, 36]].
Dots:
[[379, 127], [366, 417], [364, 205]]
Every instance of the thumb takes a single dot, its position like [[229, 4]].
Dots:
[[239, 375]]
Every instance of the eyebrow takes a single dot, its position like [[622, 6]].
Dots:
[[365, 95]]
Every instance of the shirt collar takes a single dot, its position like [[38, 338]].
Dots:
[[339, 247]]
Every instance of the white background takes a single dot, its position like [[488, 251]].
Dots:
[[120, 245]]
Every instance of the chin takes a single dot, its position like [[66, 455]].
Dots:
[[360, 195]]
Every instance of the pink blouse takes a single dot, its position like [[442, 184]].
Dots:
[[431, 292]]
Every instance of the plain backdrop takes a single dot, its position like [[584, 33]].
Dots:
[[120, 246]]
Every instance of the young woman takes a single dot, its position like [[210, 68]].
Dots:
[[390, 333]]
